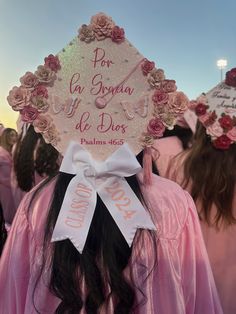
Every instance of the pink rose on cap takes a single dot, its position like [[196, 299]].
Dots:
[[156, 128], [52, 62], [42, 123], [222, 142], [45, 75], [178, 103], [41, 91], [86, 33], [230, 78], [18, 98], [232, 134], [160, 98], [29, 80], [215, 129], [226, 122], [117, 34], [102, 26], [29, 114], [169, 86], [147, 66]]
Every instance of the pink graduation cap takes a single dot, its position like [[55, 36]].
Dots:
[[99, 91], [216, 111]]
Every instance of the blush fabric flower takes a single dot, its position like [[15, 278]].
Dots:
[[208, 118], [155, 77], [226, 122], [117, 34], [102, 25], [168, 120], [156, 128], [215, 130], [232, 134], [29, 114], [222, 142], [39, 103], [86, 33], [45, 75], [169, 86], [200, 109], [147, 67], [147, 140], [51, 136], [29, 80], [230, 77], [160, 98], [52, 62], [178, 103], [18, 98], [41, 91], [42, 123]]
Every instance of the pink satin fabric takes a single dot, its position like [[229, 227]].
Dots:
[[6, 195], [220, 244], [182, 282], [166, 148]]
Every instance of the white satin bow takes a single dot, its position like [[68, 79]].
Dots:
[[107, 179]]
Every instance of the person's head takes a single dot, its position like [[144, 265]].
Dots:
[[8, 138], [210, 165], [32, 155]]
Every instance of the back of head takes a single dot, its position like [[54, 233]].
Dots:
[[8, 138], [210, 165], [33, 154]]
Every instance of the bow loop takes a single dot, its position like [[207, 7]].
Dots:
[[107, 179]]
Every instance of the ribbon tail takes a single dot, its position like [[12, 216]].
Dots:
[[125, 208], [76, 213]]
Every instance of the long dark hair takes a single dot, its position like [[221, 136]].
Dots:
[[212, 173], [3, 231], [25, 165], [105, 256]]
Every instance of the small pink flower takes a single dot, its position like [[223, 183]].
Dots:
[[41, 91], [178, 103], [51, 136], [42, 123], [230, 78], [29, 114], [232, 134], [39, 103], [222, 142], [208, 118], [18, 98], [215, 130], [45, 75], [160, 98], [169, 86], [156, 128], [102, 26], [226, 122], [155, 77], [117, 34], [86, 33], [147, 67], [200, 109], [52, 62], [29, 80]]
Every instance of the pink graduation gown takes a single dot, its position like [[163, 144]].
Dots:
[[220, 245], [182, 282], [6, 195]]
